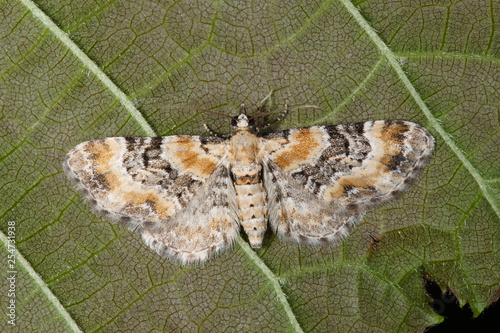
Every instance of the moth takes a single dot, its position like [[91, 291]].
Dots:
[[189, 195]]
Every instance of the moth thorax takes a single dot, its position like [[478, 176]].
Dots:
[[252, 203]]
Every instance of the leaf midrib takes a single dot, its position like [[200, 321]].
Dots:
[[43, 287]]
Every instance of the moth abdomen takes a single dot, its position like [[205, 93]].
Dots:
[[252, 203]]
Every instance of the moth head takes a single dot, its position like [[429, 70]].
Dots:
[[242, 121]]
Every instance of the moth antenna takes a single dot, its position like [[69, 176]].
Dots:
[[197, 109], [209, 130], [283, 111], [213, 133]]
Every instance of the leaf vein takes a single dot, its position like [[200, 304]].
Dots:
[[433, 121], [44, 288]]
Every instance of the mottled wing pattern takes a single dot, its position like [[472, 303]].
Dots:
[[207, 224], [320, 180], [150, 184], [296, 213]]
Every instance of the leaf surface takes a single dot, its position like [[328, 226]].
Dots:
[[72, 71]]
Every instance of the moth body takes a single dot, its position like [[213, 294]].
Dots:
[[246, 172]]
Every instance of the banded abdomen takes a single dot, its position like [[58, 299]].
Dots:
[[252, 202]]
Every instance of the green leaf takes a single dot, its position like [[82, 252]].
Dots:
[[72, 71]]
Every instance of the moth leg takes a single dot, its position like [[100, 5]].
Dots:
[[213, 133]]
